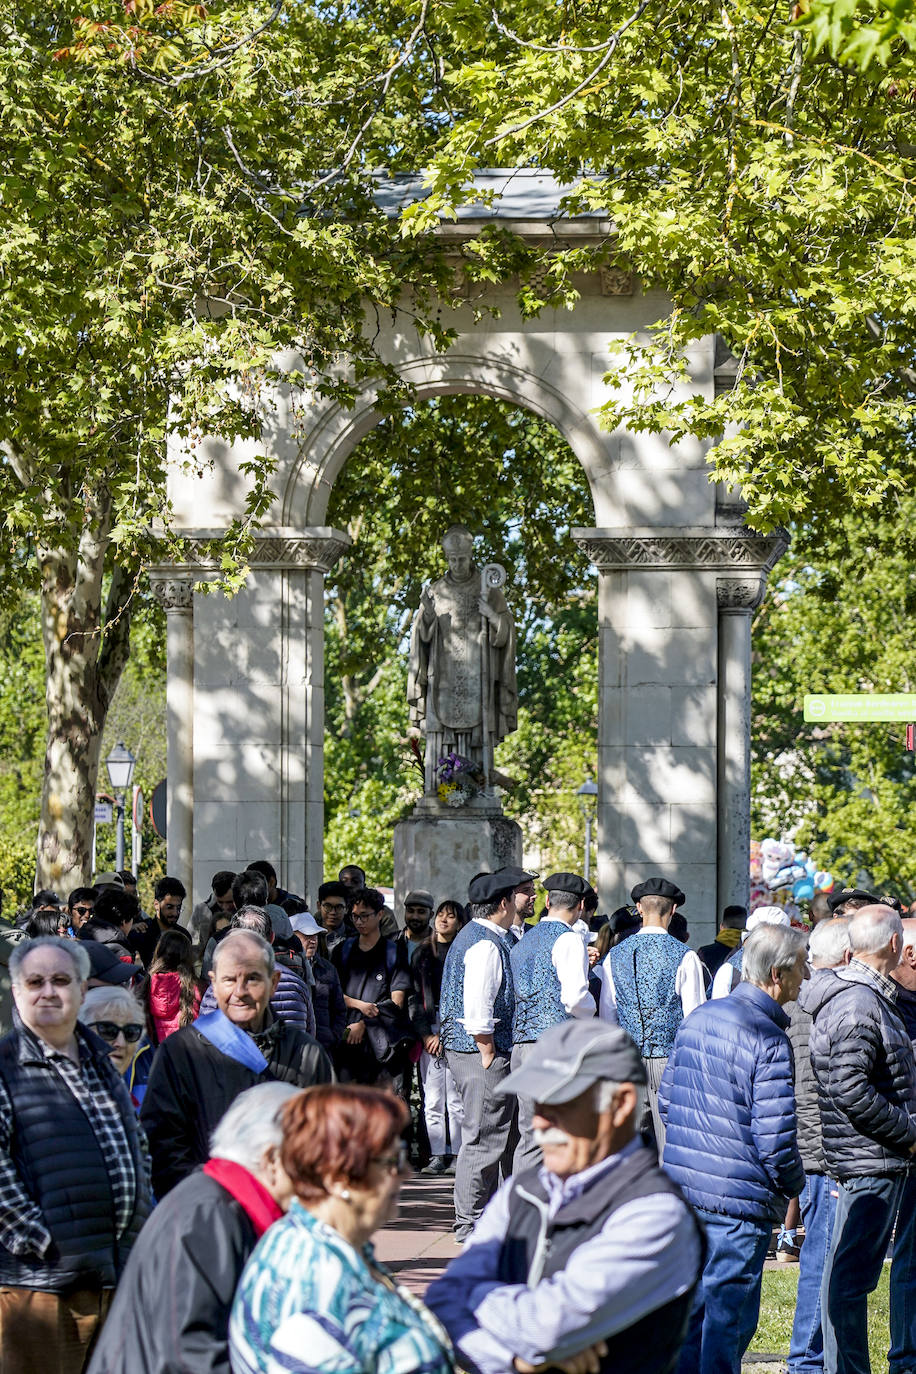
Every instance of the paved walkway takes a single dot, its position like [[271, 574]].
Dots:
[[420, 1242]]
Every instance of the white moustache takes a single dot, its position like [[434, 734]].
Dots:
[[552, 1136]]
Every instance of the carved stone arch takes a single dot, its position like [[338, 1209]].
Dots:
[[330, 441]]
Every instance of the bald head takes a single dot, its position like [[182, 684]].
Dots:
[[876, 937]]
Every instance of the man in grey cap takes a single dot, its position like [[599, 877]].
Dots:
[[550, 975], [476, 1006], [595, 1252], [650, 983]]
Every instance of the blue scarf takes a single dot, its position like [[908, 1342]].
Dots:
[[230, 1040]]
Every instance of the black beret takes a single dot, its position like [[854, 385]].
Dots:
[[658, 887], [567, 882], [490, 887], [847, 894]]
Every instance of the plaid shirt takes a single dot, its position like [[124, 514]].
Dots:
[[883, 984], [22, 1226]]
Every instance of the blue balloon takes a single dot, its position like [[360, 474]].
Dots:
[[803, 890]]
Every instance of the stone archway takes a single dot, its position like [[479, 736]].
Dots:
[[679, 576]]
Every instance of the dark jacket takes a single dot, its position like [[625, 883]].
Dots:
[[107, 934], [866, 1076], [713, 956], [192, 1083], [426, 987], [807, 1106], [728, 1103], [171, 1311], [60, 1164], [330, 1008]]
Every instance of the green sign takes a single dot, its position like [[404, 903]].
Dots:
[[863, 706]]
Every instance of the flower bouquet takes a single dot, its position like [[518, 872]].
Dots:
[[459, 779]]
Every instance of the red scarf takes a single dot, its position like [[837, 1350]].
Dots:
[[251, 1195]]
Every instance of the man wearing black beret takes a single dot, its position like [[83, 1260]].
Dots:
[[550, 975], [651, 982], [476, 1007]]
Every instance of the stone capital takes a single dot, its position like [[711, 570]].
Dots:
[[735, 550], [313, 549], [173, 588], [739, 595]]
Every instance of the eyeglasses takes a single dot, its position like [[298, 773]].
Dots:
[[364, 915], [334, 906], [395, 1164], [110, 1030]]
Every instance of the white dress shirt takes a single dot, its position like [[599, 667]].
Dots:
[[570, 960], [483, 976], [726, 980], [688, 980]]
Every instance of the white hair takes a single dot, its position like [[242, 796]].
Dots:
[[81, 965], [770, 947], [252, 1124], [872, 928], [98, 1001], [828, 943], [253, 938], [606, 1090]]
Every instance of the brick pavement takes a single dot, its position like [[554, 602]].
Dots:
[[419, 1243]]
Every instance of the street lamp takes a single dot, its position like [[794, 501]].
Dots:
[[120, 764], [588, 803]]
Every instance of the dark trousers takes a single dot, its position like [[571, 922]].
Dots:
[[902, 1357], [726, 1306], [485, 1130], [865, 1212], [49, 1333]]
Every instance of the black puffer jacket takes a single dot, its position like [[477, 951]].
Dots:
[[171, 1309], [807, 1107], [330, 1007], [866, 1075]]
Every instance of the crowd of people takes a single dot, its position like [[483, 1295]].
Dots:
[[206, 1114]]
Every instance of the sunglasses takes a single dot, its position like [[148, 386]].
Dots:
[[83, 910], [110, 1030]]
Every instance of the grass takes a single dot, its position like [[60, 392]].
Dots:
[[777, 1309]]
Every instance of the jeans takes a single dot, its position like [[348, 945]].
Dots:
[[865, 1212], [902, 1357], [818, 1209], [441, 1105], [727, 1302]]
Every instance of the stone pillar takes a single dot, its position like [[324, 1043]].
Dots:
[[174, 590], [737, 599], [259, 710], [659, 728]]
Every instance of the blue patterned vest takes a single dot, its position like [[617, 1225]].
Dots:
[[735, 959], [538, 1003], [644, 969], [451, 1000]]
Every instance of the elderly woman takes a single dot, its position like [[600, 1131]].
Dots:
[[118, 1018], [312, 1296], [171, 1310]]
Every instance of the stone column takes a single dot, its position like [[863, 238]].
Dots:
[[174, 590], [660, 740], [737, 599]]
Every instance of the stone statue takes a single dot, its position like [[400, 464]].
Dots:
[[461, 684]]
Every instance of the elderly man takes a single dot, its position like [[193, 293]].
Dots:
[[596, 1251], [866, 1080], [74, 1187], [171, 1310], [729, 1106], [828, 949], [550, 977], [476, 1007], [201, 1069]]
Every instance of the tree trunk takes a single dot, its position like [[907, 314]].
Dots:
[[84, 657]]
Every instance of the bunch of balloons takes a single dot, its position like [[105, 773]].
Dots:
[[780, 867]]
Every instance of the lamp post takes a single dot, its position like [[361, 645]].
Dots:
[[588, 802], [120, 764]]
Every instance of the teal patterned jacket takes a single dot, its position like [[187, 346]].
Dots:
[[307, 1303]]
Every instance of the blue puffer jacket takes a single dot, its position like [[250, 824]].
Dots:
[[728, 1103]]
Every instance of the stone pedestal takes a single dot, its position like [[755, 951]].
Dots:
[[440, 848]]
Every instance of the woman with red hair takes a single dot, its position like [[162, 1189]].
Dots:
[[312, 1296]]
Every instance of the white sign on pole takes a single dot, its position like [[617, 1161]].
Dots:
[[103, 813]]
